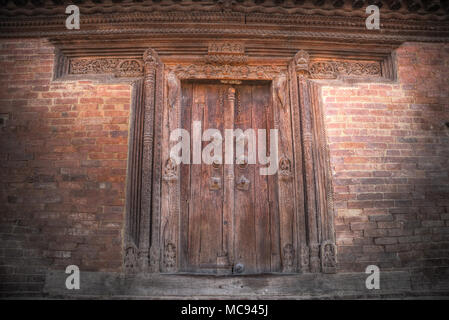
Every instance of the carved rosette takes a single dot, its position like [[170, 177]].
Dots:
[[328, 257]]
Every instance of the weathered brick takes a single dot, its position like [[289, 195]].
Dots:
[[386, 240]]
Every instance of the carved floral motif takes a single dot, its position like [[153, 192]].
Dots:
[[118, 67], [333, 69], [226, 71], [226, 48], [226, 59]]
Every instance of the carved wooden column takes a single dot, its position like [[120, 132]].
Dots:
[[303, 248], [143, 213], [151, 60], [302, 60], [140, 178], [228, 203], [320, 247], [158, 94]]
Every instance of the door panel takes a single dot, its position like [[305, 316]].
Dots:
[[230, 213]]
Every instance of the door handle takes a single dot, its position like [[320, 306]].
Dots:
[[243, 183]]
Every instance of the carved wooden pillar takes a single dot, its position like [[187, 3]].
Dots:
[[320, 248], [151, 60], [228, 203], [142, 213]]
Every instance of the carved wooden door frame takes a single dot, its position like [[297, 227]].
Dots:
[[295, 92]]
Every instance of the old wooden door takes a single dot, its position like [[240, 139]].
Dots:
[[229, 213]]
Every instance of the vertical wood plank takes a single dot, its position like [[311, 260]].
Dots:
[[194, 246], [245, 240], [273, 196], [211, 199], [260, 102], [286, 191], [186, 119]]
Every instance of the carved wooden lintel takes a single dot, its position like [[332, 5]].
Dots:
[[226, 71], [227, 61]]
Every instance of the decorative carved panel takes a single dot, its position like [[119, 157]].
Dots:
[[118, 67], [334, 69], [304, 179], [226, 71], [231, 53]]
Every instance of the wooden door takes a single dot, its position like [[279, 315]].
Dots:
[[229, 212]]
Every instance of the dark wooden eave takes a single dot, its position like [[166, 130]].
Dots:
[[286, 24]]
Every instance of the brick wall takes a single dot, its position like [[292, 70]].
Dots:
[[63, 167], [389, 147], [62, 170]]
